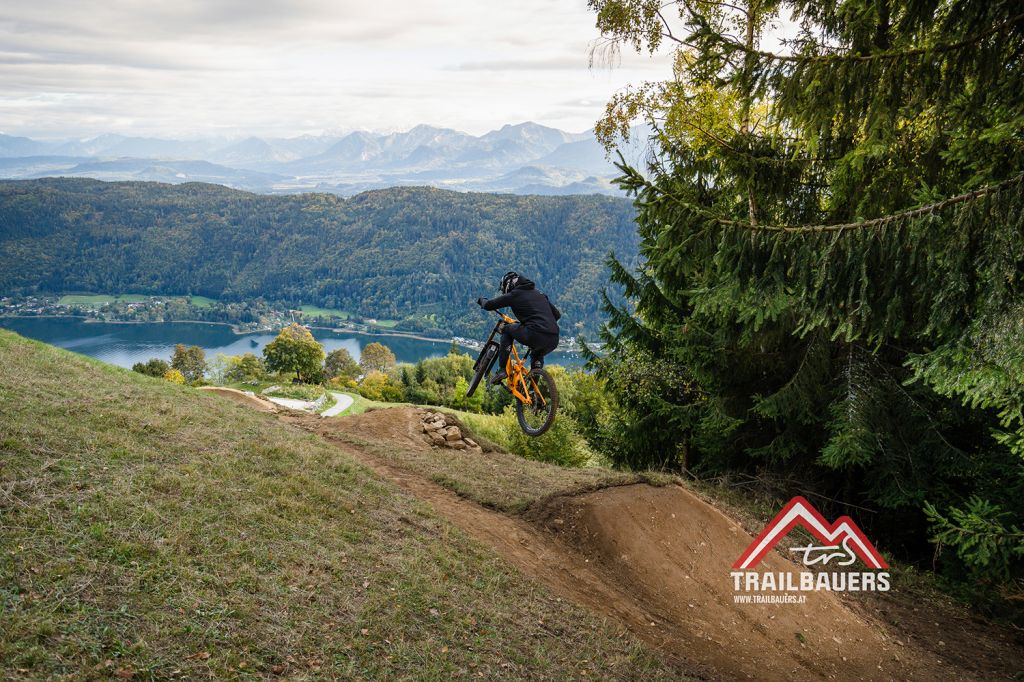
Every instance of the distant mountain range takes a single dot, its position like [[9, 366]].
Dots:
[[527, 158]]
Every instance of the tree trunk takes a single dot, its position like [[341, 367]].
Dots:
[[748, 90]]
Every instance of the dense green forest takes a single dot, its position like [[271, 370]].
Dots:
[[416, 255], [831, 297]]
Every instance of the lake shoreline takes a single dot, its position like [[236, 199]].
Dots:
[[234, 328], [268, 330], [127, 342]]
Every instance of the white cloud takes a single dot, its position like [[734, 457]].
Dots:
[[282, 67]]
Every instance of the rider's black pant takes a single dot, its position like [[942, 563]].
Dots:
[[540, 343]]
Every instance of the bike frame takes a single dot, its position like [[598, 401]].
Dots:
[[517, 373]]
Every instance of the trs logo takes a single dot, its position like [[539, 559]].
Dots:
[[843, 540]]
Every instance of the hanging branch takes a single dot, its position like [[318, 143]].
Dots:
[[637, 180], [874, 56]]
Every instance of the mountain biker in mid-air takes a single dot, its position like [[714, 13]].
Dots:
[[538, 321]]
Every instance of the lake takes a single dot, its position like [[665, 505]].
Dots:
[[126, 344]]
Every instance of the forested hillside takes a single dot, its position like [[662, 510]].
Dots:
[[412, 254]]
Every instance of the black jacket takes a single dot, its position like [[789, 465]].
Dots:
[[530, 306]]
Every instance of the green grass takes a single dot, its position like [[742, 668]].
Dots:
[[361, 404], [154, 530], [316, 311], [385, 324], [203, 301], [487, 425], [297, 391], [257, 387], [100, 299]]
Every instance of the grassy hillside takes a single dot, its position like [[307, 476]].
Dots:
[[415, 255], [151, 530]]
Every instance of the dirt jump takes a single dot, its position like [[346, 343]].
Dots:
[[657, 560], [248, 399]]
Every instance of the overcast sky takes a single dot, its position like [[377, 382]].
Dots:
[[274, 67]]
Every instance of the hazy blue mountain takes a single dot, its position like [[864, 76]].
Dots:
[[582, 155], [303, 145], [174, 172], [524, 158], [589, 185], [354, 148], [94, 146], [252, 151], [12, 145], [116, 146], [531, 137], [541, 180]]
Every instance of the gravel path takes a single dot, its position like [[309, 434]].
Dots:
[[344, 402]]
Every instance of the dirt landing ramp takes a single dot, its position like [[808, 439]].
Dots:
[[673, 552]]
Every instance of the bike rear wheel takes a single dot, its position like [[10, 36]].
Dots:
[[537, 417], [483, 367]]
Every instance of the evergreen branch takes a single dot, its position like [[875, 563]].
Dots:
[[767, 160], [874, 222], [875, 56]]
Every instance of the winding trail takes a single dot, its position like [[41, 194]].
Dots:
[[343, 403]]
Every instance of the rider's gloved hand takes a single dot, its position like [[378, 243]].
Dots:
[[480, 301]]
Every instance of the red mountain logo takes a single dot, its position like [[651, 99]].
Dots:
[[798, 511]]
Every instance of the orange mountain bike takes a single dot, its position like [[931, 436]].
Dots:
[[534, 390]]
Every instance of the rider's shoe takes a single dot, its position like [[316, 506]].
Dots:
[[498, 378]]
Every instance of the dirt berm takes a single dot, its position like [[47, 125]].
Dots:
[[657, 560], [670, 551]]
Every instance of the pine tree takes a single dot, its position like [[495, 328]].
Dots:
[[833, 252]]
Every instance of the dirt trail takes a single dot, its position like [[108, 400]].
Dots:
[[247, 399], [656, 559]]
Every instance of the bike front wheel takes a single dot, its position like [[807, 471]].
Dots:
[[483, 366], [538, 416]]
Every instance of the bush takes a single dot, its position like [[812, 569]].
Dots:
[[245, 369], [154, 367], [587, 399], [340, 364], [459, 400], [175, 376], [343, 384], [190, 361], [434, 381], [379, 386], [299, 392], [560, 445]]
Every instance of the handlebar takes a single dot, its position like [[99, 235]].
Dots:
[[505, 318]]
